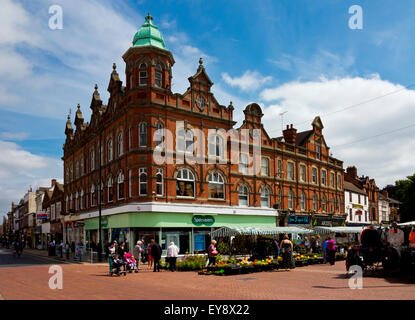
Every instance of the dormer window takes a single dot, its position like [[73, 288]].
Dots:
[[158, 76], [143, 74]]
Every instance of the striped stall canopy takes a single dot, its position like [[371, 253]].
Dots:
[[325, 230], [409, 224], [255, 231]]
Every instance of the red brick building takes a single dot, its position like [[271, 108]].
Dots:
[[183, 200]]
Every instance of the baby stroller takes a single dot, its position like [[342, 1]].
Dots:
[[116, 266], [130, 263]]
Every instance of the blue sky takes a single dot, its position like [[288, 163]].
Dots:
[[295, 55]]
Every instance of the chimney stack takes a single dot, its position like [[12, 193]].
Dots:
[[352, 172], [290, 134]]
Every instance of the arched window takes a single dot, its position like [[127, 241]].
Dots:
[[159, 135], [313, 175], [142, 132], [158, 80], [81, 204], [159, 180], [82, 166], [216, 186], [324, 203], [110, 195], [243, 163], [120, 186], [303, 175], [120, 144], [109, 150], [290, 200], [265, 166], [265, 197], [143, 74], [142, 181], [323, 177], [131, 81], [71, 203], [77, 169], [314, 202], [101, 193], [67, 204], [216, 146], [102, 154], [92, 159], [290, 170], [185, 184], [303, 201], [243, 196], [333, 207], [93, 197], [185, 140]]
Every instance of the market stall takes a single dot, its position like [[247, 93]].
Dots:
[[255, 231]]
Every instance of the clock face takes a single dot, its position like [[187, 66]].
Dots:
[[200, 101]]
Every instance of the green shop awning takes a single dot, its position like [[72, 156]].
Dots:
[[325, 230], [254, 231]]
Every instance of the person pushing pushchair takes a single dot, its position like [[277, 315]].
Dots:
[[117, 263]]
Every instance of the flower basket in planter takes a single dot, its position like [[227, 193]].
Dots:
[[249, 269]]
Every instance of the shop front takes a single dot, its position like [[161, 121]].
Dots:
[[56, 231], [74, 231], [189, 231], [45, 235]]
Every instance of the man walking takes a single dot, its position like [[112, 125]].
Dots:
[[172, 254], [155, 254], [138, 251]]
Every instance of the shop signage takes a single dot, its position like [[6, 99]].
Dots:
[[338, 221], [79, 223], [358, 212], [203, 220], [104, 222], [322, 221], [298, 219], [357, 206], [42, 215]]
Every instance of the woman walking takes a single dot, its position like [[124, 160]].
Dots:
[[212, 252], [330, 251], [138, 250], [150, 258], [286, 247], [111, 253]]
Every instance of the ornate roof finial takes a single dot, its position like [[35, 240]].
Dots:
[[114, 66], [149, 17], [201, 61], [79, 106], [96, 87]]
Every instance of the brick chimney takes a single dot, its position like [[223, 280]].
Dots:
[[53, 183], [352, 172], [290, 134]]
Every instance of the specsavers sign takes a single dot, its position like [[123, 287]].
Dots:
[[203, 220]]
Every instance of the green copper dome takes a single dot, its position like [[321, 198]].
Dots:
[[148, 35]]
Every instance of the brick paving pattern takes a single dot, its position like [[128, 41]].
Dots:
[[90, 281]]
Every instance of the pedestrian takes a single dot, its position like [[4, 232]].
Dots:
[[155, 254], [313, 244], [106, 245], [286, 247], [73, 247], [172, 254], [330, 251], [212, 252], [324, 250], [121, 250], [306, 244], [150, 257], [276, 248], [67, 248], [61, 246], [111, 254], [138, 251]]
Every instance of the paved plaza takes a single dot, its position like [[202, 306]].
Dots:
[[27, 278]]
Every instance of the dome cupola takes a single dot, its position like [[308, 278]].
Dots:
[[148, 35]]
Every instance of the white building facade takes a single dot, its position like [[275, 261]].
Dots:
[[384, 209], [356, 205]]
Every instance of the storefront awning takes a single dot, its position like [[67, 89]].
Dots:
[[234, 231], [325, 230], [409, 224]]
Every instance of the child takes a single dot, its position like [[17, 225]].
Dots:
[[117, 264], [131, 262]]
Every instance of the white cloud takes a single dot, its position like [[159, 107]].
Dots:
[[385, 158], [13, 135], [20, 169], [249, 81]]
